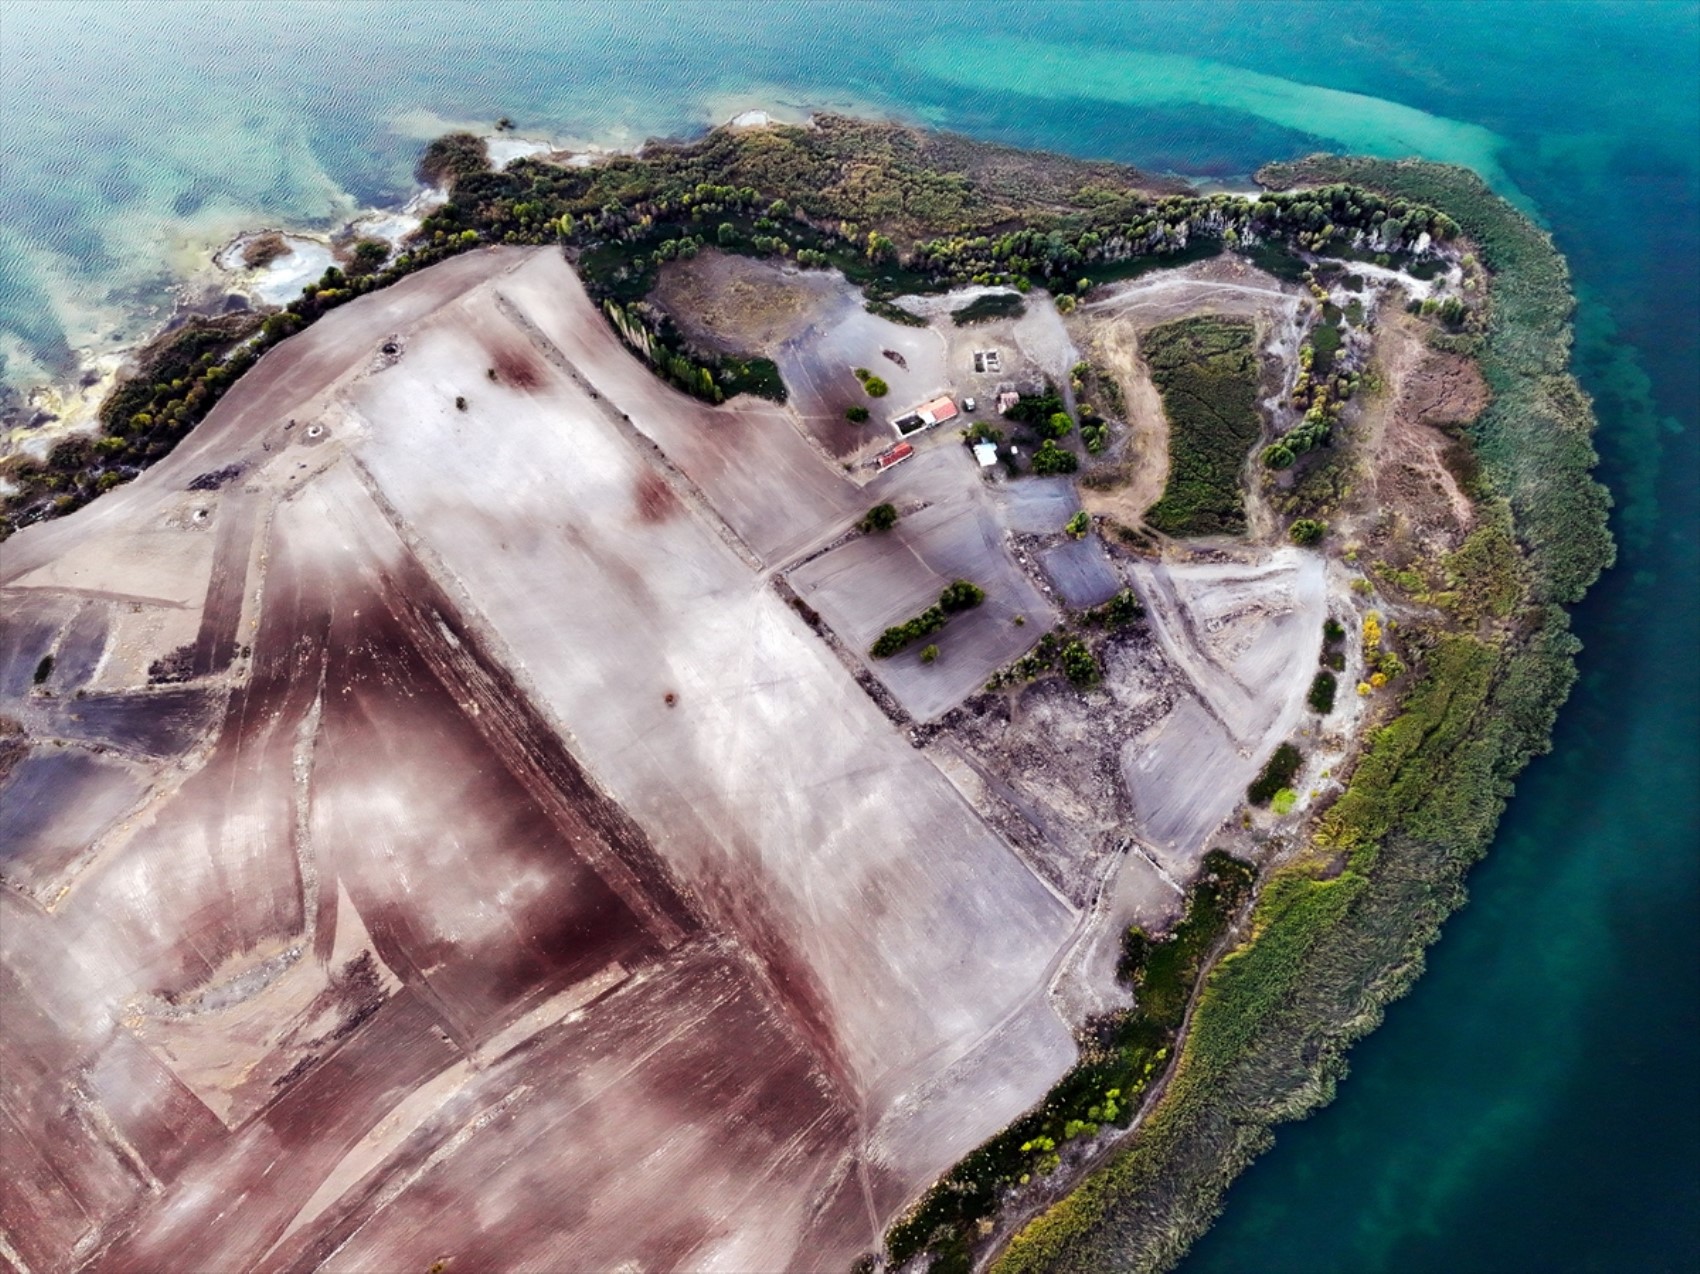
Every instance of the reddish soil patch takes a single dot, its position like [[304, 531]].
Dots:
[[517, 369], [655, 499], [1443, 389]]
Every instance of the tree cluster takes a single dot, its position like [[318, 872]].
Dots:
[[958, 596]]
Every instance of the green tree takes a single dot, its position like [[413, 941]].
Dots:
[[1307, 531], [961, 595], [1078, 665], [368, 256], [1052, 459], [882, 517]]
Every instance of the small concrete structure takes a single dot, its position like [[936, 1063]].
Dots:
[[925, 416], [986, 453]]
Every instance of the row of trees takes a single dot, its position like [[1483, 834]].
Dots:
[[959, 595], [1313, 220]]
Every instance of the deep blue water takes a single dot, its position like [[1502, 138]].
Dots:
[[1532, 1106]]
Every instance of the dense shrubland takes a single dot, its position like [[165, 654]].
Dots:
[[1206, 370], [1068, 648]]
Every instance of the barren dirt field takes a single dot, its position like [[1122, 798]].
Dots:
[[1404, 444], [479, 834], [478, 830]]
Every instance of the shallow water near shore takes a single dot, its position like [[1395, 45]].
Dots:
[[1532, 1104]]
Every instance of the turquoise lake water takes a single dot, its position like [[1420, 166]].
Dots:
[[1533, 1104]]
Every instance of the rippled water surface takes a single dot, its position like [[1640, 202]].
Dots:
[[1532, 1105]]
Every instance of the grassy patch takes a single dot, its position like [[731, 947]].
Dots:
[[1200, 248], [894, 313], [1206, 370], [882, 517], [1326, 341], [1278, 258], [991, 305]]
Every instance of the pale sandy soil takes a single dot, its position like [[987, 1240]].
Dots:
[[515, 851], [521, 708]]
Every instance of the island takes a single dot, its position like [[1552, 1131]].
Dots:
[[825, 696]]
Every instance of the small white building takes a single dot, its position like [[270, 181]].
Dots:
[[986, 453]]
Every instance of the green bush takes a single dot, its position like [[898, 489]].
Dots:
[[1119, 611], [1307, 531], [451, 157], [1078, 665], [960, 595], [1321, 696], [1051, 459], [856, 414], [882, 517], [929, 654], [1036, 409], [876, 387], [1078, 525], [1277, 773]]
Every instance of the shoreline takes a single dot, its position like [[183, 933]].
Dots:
[[35, 417]]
